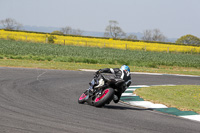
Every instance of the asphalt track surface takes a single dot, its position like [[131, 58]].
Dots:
[[45, 101]]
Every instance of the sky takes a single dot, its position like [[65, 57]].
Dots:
[[174, 18]]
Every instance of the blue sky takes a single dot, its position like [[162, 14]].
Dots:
[[173, 17]]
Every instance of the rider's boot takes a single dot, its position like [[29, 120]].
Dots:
[[116, 97]]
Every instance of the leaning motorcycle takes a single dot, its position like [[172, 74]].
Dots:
[[101, 90]]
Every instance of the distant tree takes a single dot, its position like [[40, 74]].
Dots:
[[57, 32], [113, 30], [147, 35], [68, 30], [158, 36], [10, 24], [131, 37], [153, 35], [77, 32], [189, 39]]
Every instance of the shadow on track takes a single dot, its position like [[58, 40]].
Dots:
[[123, 108]]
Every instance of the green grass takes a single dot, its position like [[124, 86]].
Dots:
[[77, 66], [183, 97], [50, 52]]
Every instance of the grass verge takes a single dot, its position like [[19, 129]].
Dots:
[[183, 97], [77, 66]]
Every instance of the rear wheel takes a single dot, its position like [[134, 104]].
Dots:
[[82, 98], [105, 97]]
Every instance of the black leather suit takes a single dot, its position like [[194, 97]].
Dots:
[[121, 74]]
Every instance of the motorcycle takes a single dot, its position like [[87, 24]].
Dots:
[[101, 90]]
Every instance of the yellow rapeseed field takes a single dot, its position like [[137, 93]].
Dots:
[[97, 42]]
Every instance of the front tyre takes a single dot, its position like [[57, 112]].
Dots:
[[82, 98], [105, 97]]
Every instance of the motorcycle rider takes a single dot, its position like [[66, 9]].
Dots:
[[122, 73]]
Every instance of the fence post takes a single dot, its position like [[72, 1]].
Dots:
[[126, 46], [167, 49], [145, 48], [64, 42], [104, 44]]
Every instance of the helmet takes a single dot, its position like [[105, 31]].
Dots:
[[125, 67]]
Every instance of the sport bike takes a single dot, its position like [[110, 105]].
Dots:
[[102, 89]]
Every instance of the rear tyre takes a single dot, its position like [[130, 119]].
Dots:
[[82, 98], [105, 97]]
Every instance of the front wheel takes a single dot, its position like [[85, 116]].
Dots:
[[105, 97], [82, 98]]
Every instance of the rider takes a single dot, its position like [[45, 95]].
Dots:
[[122, 73]]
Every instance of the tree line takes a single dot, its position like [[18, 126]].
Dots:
[[112, 30]]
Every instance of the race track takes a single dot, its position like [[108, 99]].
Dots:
[[45, 101]]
